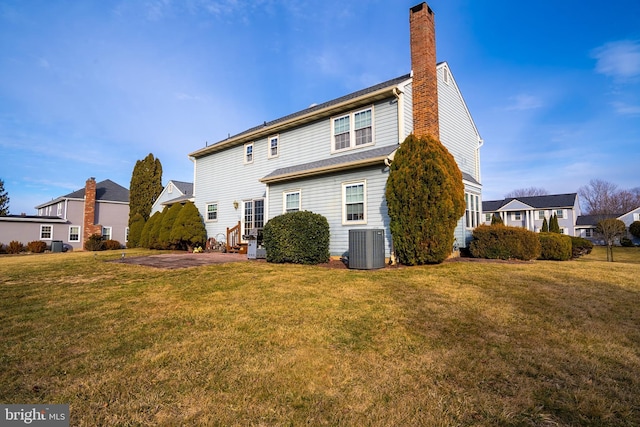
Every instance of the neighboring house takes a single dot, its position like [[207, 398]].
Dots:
[[98, 208], [530, 212], [173, 192], [332, 158], [586, 225]]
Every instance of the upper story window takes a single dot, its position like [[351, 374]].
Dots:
[[560, 213], [274, 146], [248, 152], [292, 201], [212, 212], [59, 209], [352, 130], [636, 216]]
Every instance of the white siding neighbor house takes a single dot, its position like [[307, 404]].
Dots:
[[173, 192], [530, 212], [332, 158]]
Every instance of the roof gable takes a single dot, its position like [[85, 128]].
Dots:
[[106, 191]]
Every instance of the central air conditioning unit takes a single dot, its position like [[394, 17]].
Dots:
[[366, 249]]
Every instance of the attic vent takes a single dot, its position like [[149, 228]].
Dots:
[[447, 75]]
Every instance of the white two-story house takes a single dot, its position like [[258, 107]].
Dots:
[[332, 158]]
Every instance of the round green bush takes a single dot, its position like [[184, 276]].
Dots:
[[554, 246], [95, 242], [298, 238], [503, 242], [634, 229]]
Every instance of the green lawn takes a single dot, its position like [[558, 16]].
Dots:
[[461, 343]]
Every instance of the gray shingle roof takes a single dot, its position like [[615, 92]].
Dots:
[[538, 202], [332, 163], [593, 220], [106, 190], [185, 187]]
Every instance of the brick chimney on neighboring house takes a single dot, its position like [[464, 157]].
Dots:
[[422, 30], [89, 226]]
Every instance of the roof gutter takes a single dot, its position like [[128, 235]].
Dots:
[[294, 121]]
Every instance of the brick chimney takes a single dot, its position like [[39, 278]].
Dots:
[[89, 226], [425, 78]]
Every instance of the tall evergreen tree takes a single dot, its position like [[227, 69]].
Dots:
[[4, 200], [545, 226], [554, 227], [145, 186], [188, 229], [425, 199]]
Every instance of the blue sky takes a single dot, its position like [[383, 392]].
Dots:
[[89, 87]]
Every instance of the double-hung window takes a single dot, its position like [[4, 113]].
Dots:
[[212, 211], [354, 199], [560, 213], [74, 233], [352, 130], [540, 215], [274, 146], [291, 201], [106, 233], [248, 152], [46, 232], [517, 216]]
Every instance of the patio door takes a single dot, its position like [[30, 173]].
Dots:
[[252, 215]]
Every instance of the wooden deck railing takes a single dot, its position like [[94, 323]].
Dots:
[[233, 238]]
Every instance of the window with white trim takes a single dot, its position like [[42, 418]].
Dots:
[[170, 188], [106, 233], [46, 232], [291, 201], [560, 213], [446, 75], [248, 153], [487, 217], [59, 209], [588, 232], [636, 216], [517, 216], [354, 199], [212, 211], [126, 234], [472, 211], [274, 146], [74, 233], [352, 130], [540, 215]]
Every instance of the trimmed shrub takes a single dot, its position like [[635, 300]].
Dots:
[[634, 229], [112, 245], [298, 238], [580, 246], [15, 247], [554, 227], [555, 247], [136, 224], [425, 201], [168, 219], [503, 242], [188, 229], [3, 249], [36, 247], [145, 235], [95, 242], [626, 242]]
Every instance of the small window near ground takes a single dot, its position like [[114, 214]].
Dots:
[[46, 232], [106, 233], [74, 233]]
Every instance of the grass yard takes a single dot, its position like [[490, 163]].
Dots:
[[461, 343]]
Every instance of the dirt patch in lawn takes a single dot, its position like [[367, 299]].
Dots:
[[184, 259]]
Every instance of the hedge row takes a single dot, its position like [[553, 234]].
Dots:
[[503, 242]]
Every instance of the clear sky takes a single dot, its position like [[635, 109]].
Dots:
[[89, 87]]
